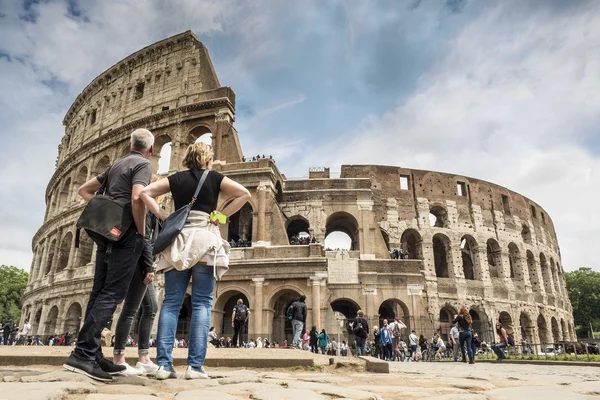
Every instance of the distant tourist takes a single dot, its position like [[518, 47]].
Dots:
[[296, 312], [465, 334], [212, 337], [238, 322], [323, 338], [313, 339], [455, 341], [499, 347], [361, 331]]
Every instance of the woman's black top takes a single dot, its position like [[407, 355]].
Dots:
[[312, 338], [183, 185], [423, 343], [463, 325]]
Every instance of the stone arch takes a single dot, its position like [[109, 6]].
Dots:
[[50, 259], [101, 165], [506, 320], [278, 304], [532, 268], [162, 154], [514, 261], [198, 132], [438, 216], [563, 329], [469, 250], [555, 330], [494, 258], [526, 234], [298, 228], [73, 318], [481, 324], [346, 224], [51, 319], [346, 307], [64, 251], [411, 242], [527, 328], [64, 194], [542, 329], [391, 308], [125, 150], [446, 316], [224, 306], [36, 322], [80, 179], [545, 273], [85, 252], [240, 226], [442, 250]]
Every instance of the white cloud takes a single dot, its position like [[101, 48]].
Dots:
[[512, 101]]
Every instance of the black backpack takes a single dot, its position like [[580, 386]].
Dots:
[[241, 312]]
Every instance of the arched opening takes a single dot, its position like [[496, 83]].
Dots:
[[526, 234], [564, 330], [545, 273], [494, 257], [36, 322], [393, 308], [438, 217], [506, 320], [101, 166], [481, 325], [282, 327], [298, 231], [533, 279], [447, 314], [86, 249], [65, 250], [278, 192], [526, 327], [64, 194], [202, 134], [441, 249], [185, 318], [80, 179], [240, 227], [514, 260], [73, 319], [164, 159], [542, 329], [346, 308], [226, 328], [341, 232], [555, 330], [50, 257], [51, 322], [412, 244], [468, 250]]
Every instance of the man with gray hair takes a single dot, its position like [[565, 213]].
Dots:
[[115, 264]]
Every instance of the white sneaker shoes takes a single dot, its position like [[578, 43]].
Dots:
[[130, 371], [195, 373], [149, 368]]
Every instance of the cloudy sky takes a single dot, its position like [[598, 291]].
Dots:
[[506, 91]]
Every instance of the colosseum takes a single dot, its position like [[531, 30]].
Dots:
[[465, 242]]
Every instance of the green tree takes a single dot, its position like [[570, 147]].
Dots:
[[12, 285], [584, 292]]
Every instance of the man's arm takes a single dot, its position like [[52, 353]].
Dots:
[[138, 209], [88, 190]]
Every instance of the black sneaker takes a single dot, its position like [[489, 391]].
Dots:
[[110, 367], [87, 368]]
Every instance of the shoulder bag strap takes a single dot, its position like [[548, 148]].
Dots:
[[200, 184]]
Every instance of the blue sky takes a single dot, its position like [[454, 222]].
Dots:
[[503, 91]]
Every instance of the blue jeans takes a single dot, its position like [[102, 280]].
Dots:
[[498, 349], [297, 326], [176, 283], [466, 337]]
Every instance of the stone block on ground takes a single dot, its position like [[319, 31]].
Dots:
[[375, 365], [286, 394], [44, 390], [204, 394]]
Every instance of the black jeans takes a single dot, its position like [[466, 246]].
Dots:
[[238, 333], [137, 294], [313, 348], [111, 281]]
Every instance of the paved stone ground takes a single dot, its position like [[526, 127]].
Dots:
[[406, 381]]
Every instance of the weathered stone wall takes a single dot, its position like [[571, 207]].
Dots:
[[471, 243]]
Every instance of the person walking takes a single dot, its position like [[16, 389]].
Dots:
[[239, 317], [412, 343], [465, 334], [115, 263], [8, 327], [386, 341], [377, 346], [323, 341], [454, 340], [297, 313], [499, 347], [198, 253], [313, 339], [361, 331]]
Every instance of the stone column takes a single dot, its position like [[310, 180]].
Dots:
[[72, 253], [261, 217], [257, 312], [316, 300]]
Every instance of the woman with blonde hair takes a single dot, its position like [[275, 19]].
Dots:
[[197, 253], [465, 333]]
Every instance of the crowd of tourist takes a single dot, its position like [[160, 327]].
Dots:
[[256, 158], [240, 243], [296, 240], [399, 254]]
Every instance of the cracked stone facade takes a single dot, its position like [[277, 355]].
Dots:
[[469, 242]]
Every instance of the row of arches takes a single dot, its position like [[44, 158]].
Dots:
[[57, 321]]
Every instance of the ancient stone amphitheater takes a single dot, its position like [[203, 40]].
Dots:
[[469, 242]]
